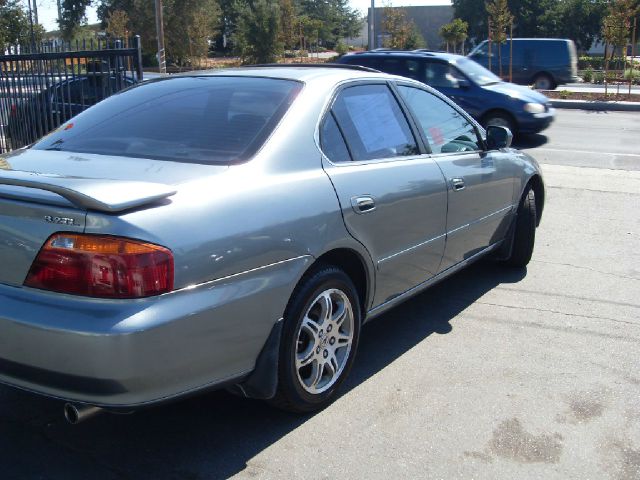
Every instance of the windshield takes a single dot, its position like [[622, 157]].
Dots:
[[216, 120], [476, 72]]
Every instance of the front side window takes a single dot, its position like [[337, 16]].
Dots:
[[373, 123], [215, 120], [442, 75], [446, 129]]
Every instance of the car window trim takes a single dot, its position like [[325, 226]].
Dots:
[[410, 121], [452, 104]]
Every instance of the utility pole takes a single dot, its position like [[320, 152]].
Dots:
[[59, 12], [33, 37], [372, 26], [35, 12], [162, 61]]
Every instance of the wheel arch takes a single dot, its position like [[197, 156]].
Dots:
[[355, 266]]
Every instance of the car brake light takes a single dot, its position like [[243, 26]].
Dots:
[[101, 266]]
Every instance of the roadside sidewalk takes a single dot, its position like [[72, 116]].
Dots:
[[596, 105]]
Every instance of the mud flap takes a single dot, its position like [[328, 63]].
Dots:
[[262, 383]]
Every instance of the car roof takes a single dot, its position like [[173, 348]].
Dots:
[[304, 73], [421, 53]]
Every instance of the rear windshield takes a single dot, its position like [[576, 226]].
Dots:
[[216, 120]]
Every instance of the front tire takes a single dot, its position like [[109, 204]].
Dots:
[[524, 234], [499, 119], [319, 340]]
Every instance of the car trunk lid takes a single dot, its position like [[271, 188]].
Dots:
[[42, 193]]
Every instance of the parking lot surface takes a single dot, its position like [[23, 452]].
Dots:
[[494, 373]]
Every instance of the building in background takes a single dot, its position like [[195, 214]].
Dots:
[[428, 20]]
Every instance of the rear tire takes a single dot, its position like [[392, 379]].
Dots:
[[319, 340], [524, 234], [544, 82]]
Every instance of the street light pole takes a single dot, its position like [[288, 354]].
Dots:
[[162, 61], [372, 26]]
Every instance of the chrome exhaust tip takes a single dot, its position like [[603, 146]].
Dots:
[[76, 413]]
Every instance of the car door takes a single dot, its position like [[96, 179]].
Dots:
[[480, 183], [393, 196]]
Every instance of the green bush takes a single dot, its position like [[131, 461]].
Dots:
[[635, 78], [587, 75], [295, 53], [341, 48], [593, 62], [598, 78]]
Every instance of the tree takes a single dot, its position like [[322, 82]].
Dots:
[[118, 24], [289, 24], [500, 18], [14, 25], [454, 33], [338, 20], [579, 20], [73, 15], [616, 27], [402, 33], [257, 35], [415, 39], [189, 25]]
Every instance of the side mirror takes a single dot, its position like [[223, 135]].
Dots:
[[464, 83], [498, 137]]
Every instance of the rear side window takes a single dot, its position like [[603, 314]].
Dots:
[[331, 141], [215, 120], [373, 123], [401, 66], [446, 129]]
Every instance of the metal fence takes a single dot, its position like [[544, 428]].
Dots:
[[44, 86]]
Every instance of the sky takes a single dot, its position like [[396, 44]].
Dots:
[[47, 11]]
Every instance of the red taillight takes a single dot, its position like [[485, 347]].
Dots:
[[101, 266]]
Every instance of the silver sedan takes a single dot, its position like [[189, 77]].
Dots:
[[236, 229]]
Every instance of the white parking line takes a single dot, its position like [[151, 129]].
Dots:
[[583, 151]]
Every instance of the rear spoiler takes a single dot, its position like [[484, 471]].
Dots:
[[103, 195]]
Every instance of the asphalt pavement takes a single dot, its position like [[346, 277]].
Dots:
[[495, 373]]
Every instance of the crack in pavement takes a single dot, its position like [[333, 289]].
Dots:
[[563, 295], [587, 268], [544, 310]]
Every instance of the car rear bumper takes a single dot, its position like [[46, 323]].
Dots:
[[120, 354]]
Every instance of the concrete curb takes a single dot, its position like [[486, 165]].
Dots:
[[596, 105]]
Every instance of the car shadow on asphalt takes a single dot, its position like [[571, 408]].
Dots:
[[212, 435], [530, 141]]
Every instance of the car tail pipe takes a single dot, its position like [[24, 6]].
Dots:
[[76, 413]]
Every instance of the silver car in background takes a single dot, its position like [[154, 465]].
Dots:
[[235, 230]]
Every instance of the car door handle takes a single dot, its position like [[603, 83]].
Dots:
[[363, 204], [457, 184]]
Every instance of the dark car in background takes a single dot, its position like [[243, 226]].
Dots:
[[481, 93], [544, 63], [39, 112]]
